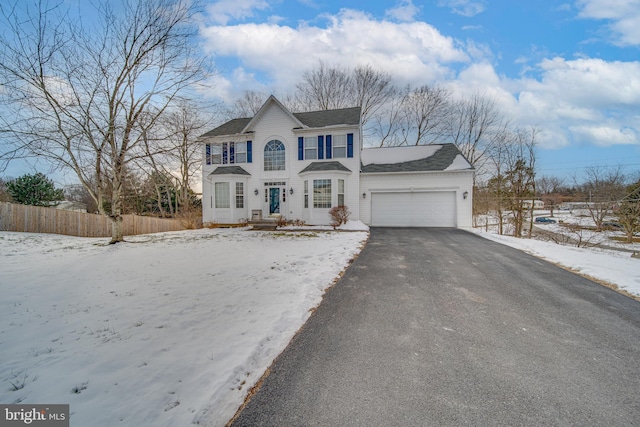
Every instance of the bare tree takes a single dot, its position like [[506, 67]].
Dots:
[[372, 90], [497, 184], [520, 178], [248, 105], [388, 124], [471, 127], [4, 194], [84, 97], [326, 88], [549, 189], [628, 213], [513, 182], [426, 111], [174, 156], [603, 189]]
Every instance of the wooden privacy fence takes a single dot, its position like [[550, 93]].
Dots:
[[36, 219]]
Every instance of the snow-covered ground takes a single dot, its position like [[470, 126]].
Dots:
[[169, 329], [173, 329]]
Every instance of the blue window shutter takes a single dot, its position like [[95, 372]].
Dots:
[[208, 153], [232, 154], [328, 138], [249, 156], [320, 147], [349, 145], [300, 148], [225, 159]]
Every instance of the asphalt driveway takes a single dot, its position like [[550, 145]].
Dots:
[[441, 327]]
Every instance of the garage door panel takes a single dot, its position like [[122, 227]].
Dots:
[[414, 209]]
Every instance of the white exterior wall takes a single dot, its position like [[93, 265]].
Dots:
[[426, 181], [275, 123]]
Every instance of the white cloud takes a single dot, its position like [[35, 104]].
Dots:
[[624, 17], [593, 82], [404, 12], [411, 52], [464, 7], [583, 100], [223, 11], [606, 135]]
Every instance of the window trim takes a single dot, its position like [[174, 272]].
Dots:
[[339, 146], [340, 191], [239, 152], [239, 195], [213, 151], [311, 146], [222, 198], [274, 157], [222, 153], [322, 193]]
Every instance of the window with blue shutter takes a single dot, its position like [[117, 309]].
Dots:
[[232, 156], [249, 153], [349, 145], [328, 146], [320, 147], [300, 148]]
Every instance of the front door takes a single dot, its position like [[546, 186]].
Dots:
[[274, 200]]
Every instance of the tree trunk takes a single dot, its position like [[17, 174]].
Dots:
[[116, 213], [116, 229]]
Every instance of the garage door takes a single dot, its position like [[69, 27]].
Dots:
[[417, 209]]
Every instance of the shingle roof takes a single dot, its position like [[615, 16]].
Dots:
[[231, 127], [325, 166], [229, 170], [438, 161], [318, 119], [313, 119]]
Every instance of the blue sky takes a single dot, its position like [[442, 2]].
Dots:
[[571, 68]]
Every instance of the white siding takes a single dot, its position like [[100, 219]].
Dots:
[[275, 123]]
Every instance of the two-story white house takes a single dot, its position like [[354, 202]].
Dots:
[[300, 165]]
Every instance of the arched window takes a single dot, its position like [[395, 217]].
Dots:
[[274, 156]]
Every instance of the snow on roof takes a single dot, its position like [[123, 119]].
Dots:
[[459, 163], [418, 158]]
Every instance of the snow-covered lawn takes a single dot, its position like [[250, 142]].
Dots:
[[169, 329], [173, 329]]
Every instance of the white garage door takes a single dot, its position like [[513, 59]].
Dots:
[[417, 209]]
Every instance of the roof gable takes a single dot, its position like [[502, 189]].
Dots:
[[270, 103], [422, 158]]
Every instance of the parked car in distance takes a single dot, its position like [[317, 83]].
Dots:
[[611, 226], [545, 220]]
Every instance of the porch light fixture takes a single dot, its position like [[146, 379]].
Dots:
[[256, 192], [364, 195], [465, 194], [291, 190]]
